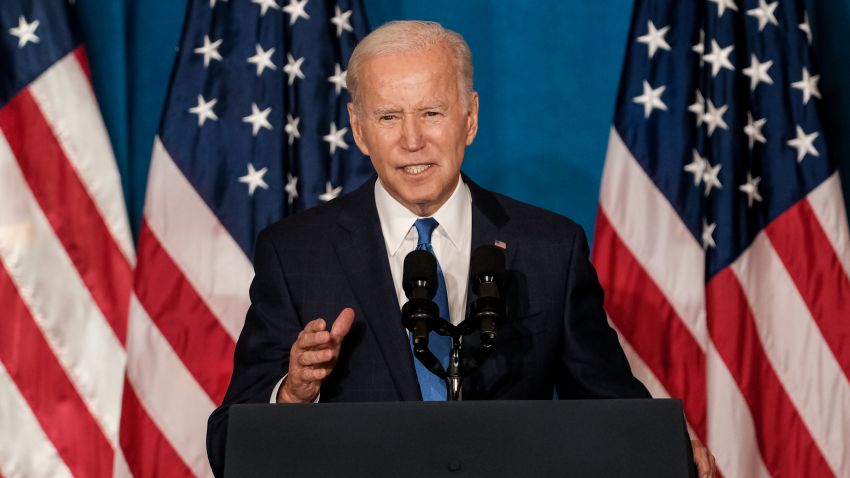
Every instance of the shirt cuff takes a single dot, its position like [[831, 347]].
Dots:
[[273, 398]]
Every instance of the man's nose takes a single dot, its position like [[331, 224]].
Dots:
[[411, 133]]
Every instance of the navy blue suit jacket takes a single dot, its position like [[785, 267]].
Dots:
[[315, 263]]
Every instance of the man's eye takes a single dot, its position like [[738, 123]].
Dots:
[[432, 114], [386, 117]]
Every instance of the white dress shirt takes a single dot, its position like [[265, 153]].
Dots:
[[451, 241]]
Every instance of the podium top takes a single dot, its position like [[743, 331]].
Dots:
[[576, 438]]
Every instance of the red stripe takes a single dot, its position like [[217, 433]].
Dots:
[[646, 319], [809, 257], [83, 60], [147, 451], [183, 317], [52, 397], [785, 443], [69, 209]]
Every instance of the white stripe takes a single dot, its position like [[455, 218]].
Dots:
[[120, 469], [66, 100], [24, 448], [167, 390], [210, 259], [730, 428], [827, 202], [59, 302], [664, 247], [796, 349]]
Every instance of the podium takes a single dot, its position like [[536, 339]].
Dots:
[[573, 438]]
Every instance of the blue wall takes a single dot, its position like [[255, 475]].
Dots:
[[547, 73]]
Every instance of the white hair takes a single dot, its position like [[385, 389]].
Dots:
[[410, 35]]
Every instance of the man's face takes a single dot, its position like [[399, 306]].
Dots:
[[414, 125]]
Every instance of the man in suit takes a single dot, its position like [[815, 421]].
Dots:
[[413, 112]]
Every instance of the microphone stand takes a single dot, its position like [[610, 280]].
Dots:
[[454, 375]]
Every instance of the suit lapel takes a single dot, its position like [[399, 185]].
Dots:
[[488, 220], [361, 251]]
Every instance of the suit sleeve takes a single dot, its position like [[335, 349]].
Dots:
[[262, 351], [592, 362]]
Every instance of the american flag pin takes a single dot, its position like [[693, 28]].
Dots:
[[501, 244]]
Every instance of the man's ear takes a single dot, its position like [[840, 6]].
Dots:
[[356, 130], [472, 119]]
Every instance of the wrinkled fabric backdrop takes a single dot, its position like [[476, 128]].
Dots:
[[547, 73]]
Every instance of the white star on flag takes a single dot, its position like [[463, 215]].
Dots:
[[804, 144], [291, 128], [341, 20], [758, 72], [719, 58], [293, 68], [697, 167], [338, 79], [764, 13], [698, 108], [330, 192], [209, 50], [265, 5], [699, 48], [651, 99], [808, 85], [806, 28], [709, 177], [713, 118], [25, 32], [334, 138], [654, 39], [262, 59], [722, 5], [291, 188], [295, 9], [204, 110], [254, 179], [753, 130], [751, 189], [258, 119], [708, 234]]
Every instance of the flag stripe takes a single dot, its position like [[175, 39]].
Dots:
[[28, 451], [811, 262], [174, 401], [211, 261], [57, 298], [148, 453], [654, 329], [832, 216], [796, 350], [666, 251], [65, 98], [639, 368], [732, 436], [83, 60], [732, 327], [68, 207], [183, 317], [51, 396]]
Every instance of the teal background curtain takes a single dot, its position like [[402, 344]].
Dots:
[[547, 73]]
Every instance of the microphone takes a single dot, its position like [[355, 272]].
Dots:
[[487, 277], [419, 281]]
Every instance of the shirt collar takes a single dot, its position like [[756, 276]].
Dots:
[[397, 220]]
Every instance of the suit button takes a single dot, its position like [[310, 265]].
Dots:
[[455, 465]]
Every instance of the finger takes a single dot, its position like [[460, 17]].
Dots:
[[316, 374], [316, 358], [342, 324], [309, 340], [315, 325]]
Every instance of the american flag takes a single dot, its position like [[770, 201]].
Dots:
[[66, 253], [255, 128], [722, 239]]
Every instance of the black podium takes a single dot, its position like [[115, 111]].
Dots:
[[574, 438]]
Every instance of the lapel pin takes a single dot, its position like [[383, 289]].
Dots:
[[501, 245]]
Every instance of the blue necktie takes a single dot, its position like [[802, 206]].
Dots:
[[433, 387]]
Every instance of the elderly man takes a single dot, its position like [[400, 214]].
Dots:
[[413, 113]]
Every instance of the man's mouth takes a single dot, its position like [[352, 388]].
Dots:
[[416, 168]]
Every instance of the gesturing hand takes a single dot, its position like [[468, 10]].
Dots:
[[313, 357]]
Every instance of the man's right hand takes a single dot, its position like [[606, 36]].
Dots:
[[313, 357]]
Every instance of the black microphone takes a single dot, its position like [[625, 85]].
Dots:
[[419, 281], [487, 277]]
